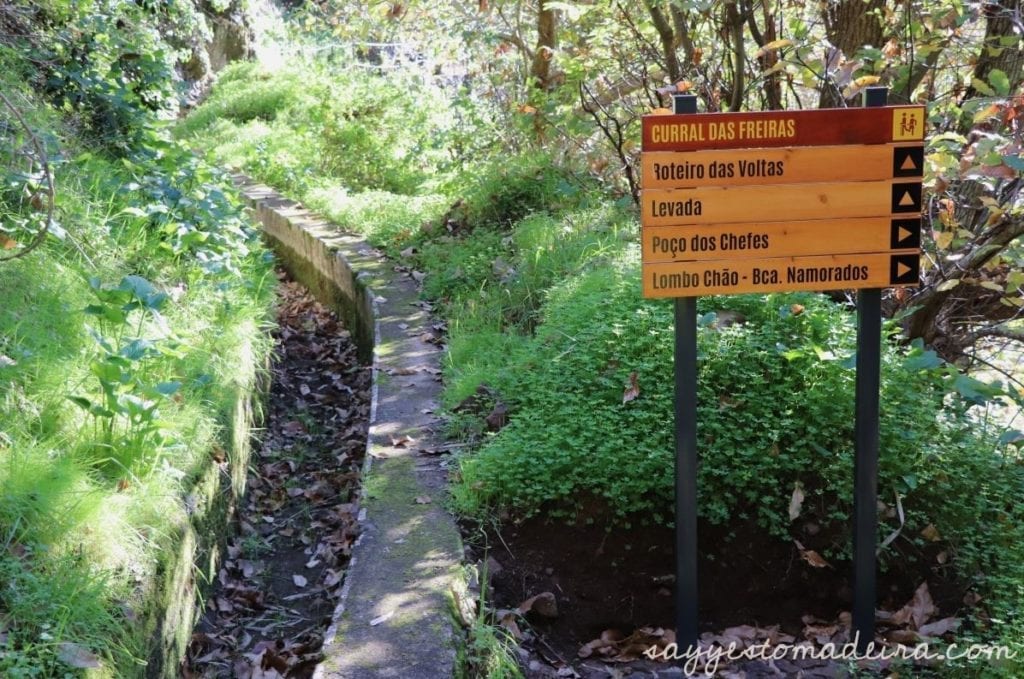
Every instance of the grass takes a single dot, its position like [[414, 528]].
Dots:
[[93, 506]]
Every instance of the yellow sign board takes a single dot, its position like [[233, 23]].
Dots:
[[779, 239], [780, 274], [808, 164], [798, 202]]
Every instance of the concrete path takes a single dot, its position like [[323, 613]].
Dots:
[[396, 616]]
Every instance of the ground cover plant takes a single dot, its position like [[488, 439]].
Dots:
[[559, 374], [136, 299]]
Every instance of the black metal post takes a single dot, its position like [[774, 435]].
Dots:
[[686, 452], [865, 489]]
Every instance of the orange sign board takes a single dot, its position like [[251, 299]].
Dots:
[[779, 239], [780, 274], [727, 204], [774, 201], [789, 165]]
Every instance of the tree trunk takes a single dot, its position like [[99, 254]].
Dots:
[[1002, 48], [667, 37], [849, 25], [547, 42]]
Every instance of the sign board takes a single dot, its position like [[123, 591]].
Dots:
[[781, 274], [727, 204], [789, 165], [780, 239], [773, 201], [818, 127]]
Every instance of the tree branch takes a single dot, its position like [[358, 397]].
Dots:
[[47, 172]]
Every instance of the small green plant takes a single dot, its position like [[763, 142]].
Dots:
[[489, 649], [126, 417]]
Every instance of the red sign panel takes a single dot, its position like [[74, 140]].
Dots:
[[881, 125]]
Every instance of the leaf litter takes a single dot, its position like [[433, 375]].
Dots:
[[908, 626], [283, 570]]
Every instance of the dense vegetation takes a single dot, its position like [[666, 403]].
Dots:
[[492, 148], [502, 194], [135, 304]]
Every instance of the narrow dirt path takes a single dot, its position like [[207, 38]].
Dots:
[[278, 584]]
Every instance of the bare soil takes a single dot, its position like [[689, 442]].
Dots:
[[622, 580]]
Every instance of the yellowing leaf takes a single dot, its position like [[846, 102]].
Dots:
[[859, 84], [526, 108], [948, 285], [988, 112], [7, 243], [661, 112], [773, 45], [930, 533], [684, 86], [991, 285], [943, 240]]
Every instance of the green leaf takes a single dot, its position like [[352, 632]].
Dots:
[[999, 81], [136, 349], [81, 402], [924, 360], [982, 86], [1014, 162], [974, 390], [1011, 436], [168, 388], [107, 372]]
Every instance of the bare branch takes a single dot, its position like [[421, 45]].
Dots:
[[51, 193], [614, 136], [997, 331]]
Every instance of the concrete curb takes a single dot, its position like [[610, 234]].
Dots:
[[395, 616]]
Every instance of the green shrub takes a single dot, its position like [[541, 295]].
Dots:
[[775, 408]]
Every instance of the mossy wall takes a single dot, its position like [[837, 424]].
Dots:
[[191, 564]]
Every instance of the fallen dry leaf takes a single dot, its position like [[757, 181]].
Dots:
[[381, 618], [812, 557], [931, 533], [77, 655], [299, 580], [507, 619], [939, 627], [543, 604], [423, 500], [796, 502], [632, 389], [917, 611]]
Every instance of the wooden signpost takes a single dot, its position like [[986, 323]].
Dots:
[[770, 202]]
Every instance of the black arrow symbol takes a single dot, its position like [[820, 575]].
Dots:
[[908, 161], [904, 269], [906, 197], [905, 234]]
